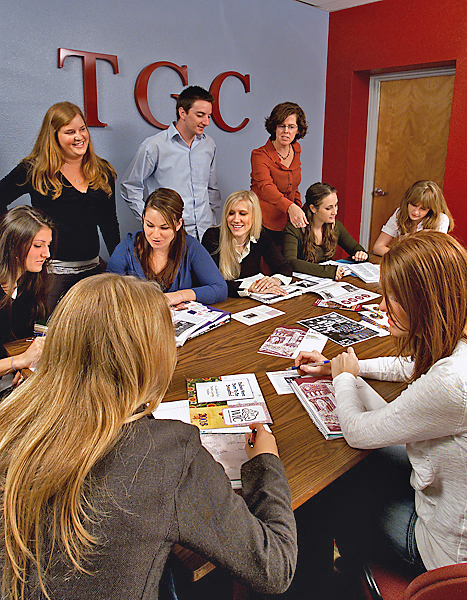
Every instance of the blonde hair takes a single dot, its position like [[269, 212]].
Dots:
[[108, 359], [426, 274], [428, 195], [46, 159], [228, 257]]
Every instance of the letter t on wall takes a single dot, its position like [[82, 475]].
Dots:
[[89, 79]]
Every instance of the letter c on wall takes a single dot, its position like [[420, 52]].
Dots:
[[141, 89], [215, 90]]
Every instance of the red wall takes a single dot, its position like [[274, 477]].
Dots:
[[391, 35]]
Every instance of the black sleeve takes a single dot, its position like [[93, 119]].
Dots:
[[211, 242], [107, 219], [272, 256], [14, 185]]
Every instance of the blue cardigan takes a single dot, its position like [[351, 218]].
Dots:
[[196, 265]]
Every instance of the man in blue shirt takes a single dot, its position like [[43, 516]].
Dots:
[[182, 158]]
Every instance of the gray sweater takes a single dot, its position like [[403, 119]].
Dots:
[[159, 486]]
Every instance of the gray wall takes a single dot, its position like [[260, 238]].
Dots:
[[282, 44]]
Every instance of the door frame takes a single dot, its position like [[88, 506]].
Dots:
[[372, 134]]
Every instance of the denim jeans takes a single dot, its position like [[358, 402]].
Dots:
[[379, 519]]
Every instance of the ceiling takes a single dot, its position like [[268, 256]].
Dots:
[[332, 5]]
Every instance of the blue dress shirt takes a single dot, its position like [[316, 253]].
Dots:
[[166, 160]]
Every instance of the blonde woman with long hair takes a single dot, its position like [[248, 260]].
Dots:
[[74, 187], [240, 246], [424, 284], [423, 206], [94, 493]]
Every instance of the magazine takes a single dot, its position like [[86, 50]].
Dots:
[[226, 404], [317, 397], [191, 319], [345, 294], [342, 330], [289, 342]]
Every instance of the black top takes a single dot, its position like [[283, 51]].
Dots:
[[264, 249], [16, 320], [77, 215]]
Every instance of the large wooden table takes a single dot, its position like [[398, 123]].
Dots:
[[310, 461]]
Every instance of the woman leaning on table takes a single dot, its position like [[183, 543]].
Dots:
[[240, 244], [165, 253], [423, 206], [276, 170], [95, 493], [25, 239], [74, 187], [424, 282], [305, 248]]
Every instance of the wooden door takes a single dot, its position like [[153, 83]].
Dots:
[[413, 129]]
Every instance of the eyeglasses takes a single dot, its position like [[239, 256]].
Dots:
[[289, 127]]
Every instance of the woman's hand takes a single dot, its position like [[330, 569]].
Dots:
[[340, 272], [296, 216], [261, 442], [360, 256], [267, 285], [347, 362], [180, 296], [31, 357], [305, 361]]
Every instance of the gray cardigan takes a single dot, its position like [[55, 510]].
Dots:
[[159, 486]]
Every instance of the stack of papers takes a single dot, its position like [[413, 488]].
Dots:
[[191, 319]]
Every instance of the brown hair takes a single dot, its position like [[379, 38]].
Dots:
[[426, 274], [314, 196], [46, 159], [280, 113], [108, 359], [170, 205], [18, 228], [189, 96], [428, 195]]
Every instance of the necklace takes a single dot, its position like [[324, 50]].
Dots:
[[280, 155]]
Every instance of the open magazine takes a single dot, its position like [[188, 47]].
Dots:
[[191, 319]]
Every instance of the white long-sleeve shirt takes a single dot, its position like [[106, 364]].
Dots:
[[430, 416]]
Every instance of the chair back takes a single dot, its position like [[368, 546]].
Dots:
[[445, 583]]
